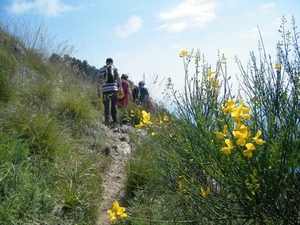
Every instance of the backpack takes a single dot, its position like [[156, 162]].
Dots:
[[121, 93], [136, 94], [109, 74]]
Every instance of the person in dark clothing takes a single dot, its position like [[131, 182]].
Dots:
[[108, 79], [145, 97]]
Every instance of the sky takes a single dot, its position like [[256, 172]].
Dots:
[[145, 38]]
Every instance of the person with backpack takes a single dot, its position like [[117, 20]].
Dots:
[[141, 95], [108, 80], [123, 102]]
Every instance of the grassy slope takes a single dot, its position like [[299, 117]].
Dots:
[[50, 139]]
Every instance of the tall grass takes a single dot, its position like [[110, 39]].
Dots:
[[51, 137]]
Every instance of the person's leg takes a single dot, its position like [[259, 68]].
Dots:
[[106, 100], [114, 99]]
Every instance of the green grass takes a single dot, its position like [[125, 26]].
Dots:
[[49, 163]]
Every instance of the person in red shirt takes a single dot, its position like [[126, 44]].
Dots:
[[127, 92]]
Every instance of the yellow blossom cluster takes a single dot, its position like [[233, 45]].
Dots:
[[183, 53], [116, 212], [204, 193], [211, 79], [146, 120], [241, 132]]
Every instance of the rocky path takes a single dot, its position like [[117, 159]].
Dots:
[[113, 182]]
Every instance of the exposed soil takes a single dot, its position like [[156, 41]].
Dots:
[[113, 182]]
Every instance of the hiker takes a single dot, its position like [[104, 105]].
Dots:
[[107, 82], [127, 92], [144, 96]]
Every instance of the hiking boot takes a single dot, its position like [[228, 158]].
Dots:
[[107, 124], [115, 125]]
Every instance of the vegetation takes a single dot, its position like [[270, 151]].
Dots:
[[51, 161], [220, 158], [225, 159]]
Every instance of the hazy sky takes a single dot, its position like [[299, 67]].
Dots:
[[146, 37]]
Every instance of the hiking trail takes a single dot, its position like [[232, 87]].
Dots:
[[113, 181]]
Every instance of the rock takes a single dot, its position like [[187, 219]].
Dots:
[[107, 150], [125, 138]]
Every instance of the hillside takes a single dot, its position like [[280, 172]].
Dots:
[[54, 145]]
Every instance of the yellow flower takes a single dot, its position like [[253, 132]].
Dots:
[[115, 211], [112, 219], [123, 216], [220, 135], [229, 105], [166, 118], [241, 141], [257, 140], [288, 32], [120, 211], [154, 133], [241, 112], [250, 146], [242, 128], [238, 134], [110, 213], [204, 193], [139, 126], [115, 205], [227, 150], [209, 73], [183, 53], [277, 66], [146, 117], [247, 153]]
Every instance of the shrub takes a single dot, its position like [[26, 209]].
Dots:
[[230, 159]]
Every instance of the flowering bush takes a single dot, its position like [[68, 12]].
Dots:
[[233, 159]]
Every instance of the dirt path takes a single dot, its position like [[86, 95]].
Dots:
[[113, 182]]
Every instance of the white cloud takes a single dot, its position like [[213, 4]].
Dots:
[[267, 7], [175, 27], [133, 24], [190, 13], [50, 8]]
